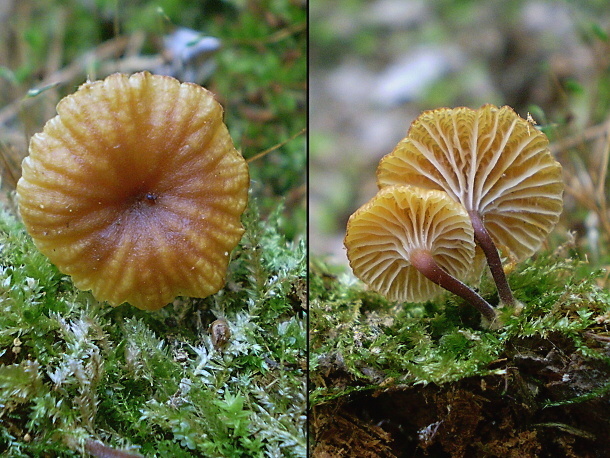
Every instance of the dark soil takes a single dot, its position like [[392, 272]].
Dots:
[[550, 401]]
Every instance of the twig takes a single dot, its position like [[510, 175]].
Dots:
[[597, 337], [106, 50], [8, 167], [274, 147], [274, 37], [603, 173], [582, 137]]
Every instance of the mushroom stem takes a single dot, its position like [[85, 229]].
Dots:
[[484, 240], [423, 261]]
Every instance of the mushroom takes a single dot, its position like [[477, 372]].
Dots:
[[496, 165], [407, 243], [136, 190]]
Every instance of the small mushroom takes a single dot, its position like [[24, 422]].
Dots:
[[136, 190], [407, 243], [496, 165]]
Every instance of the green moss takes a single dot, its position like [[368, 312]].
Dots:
[[373, 343], [73, 369]]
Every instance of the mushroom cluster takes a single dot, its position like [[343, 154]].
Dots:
[[494, 166], [136, 190]]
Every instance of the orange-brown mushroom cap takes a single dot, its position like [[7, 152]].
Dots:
[[398, 222], [491, 161], [136, 190]]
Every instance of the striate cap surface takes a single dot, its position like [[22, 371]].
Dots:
[[136, 191]]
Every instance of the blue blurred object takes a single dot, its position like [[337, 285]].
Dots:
[[187, 53]]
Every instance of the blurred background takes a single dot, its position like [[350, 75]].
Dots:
[[250, 54], [376, 65]]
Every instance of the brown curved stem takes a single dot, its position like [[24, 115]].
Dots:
[[484, 240], [423, 261]]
